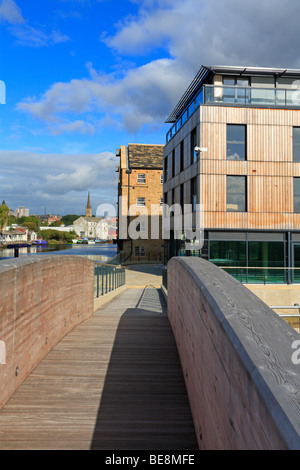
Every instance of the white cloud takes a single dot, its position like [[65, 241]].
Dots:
[[142, 97], [10, 12], [32, 37], [59, 181], [187, 35], [224, 32], [27, 35]]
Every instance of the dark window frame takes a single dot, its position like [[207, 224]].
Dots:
[[242, 142], [296, 178], [165, 169], [295, 145], [194, 193], [193, 140], [245, 205], [182, 155], [173, 163]]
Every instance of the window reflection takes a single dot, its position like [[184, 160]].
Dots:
[[236, 194], [236, 142]]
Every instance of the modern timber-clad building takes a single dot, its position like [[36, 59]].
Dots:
[[245, 123], [140, 200]]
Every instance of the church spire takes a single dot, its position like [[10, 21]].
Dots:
[[88, 210]]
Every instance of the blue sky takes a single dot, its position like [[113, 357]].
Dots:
[[84, 77]]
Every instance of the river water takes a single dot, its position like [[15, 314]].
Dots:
[[100, 252]]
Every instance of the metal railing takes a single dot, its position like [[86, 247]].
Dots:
[[237, 95], [165, 277], [264, 275], [287, 307], [251, 96], [107, 278]]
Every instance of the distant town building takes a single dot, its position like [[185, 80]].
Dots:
[[140, 188], [53, 218], [22, 212], [112, 227], [91, 227], [18, 235]]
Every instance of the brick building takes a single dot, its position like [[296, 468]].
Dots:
[[140, 193]]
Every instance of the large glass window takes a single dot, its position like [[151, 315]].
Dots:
[[296, 194], [236, 194], [296, 144], [231, 91], [250, 261], [228, 253], [236, 142], [263, 255]]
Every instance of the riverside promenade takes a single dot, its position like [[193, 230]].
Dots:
[[113, 383]]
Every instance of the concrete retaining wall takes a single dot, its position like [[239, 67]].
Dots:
[[236, 356], [42, 298]]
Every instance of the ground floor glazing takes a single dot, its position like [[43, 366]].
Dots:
[[249, 256]]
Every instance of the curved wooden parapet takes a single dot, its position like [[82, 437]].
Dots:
[[237, 358], [42, 298]]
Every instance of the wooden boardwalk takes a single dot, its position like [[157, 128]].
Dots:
[[113, 383]]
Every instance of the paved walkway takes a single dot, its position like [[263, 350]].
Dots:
[[113, 383]]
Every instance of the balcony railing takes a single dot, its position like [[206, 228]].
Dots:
[[236, 95], [252, 96]]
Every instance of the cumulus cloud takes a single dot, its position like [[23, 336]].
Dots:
[[186, 35], [143, 96], [214, 31], [10, 12], [58, 181]]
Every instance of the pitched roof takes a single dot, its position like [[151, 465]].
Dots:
[[145, 156], [89, 219]]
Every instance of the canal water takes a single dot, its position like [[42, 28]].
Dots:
[[100, 252]]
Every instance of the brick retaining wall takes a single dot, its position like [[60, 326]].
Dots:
[[42, 298]]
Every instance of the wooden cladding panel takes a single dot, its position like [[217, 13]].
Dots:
[[251, 220], [269, 167], [214, 137], [269, 143], [213, 192], [269, 194], [234, 167], [213, 167]]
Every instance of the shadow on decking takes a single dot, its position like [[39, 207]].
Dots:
[[144, 403]]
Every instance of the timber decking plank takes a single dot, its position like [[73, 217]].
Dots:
[[114, 382]]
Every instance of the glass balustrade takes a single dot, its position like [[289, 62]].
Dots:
[[237, 95]]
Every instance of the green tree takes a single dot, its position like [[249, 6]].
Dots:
[[4, 210], [56, 223], [69, 219], [31, 222], [52, 235]]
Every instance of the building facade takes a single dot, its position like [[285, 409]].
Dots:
[[140, 199], [233, 149], [22, 212], [91, 227]]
